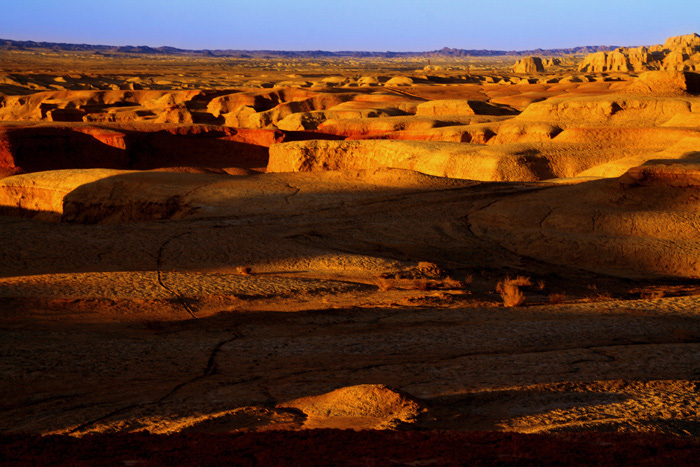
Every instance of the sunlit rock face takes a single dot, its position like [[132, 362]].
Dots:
[[680, 53]]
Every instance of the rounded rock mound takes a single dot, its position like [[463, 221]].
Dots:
[[399, 81], [366, 406]]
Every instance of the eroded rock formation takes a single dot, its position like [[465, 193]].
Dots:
[[529, 65], [680, 53]]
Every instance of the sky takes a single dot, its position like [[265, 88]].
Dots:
[[376, 25]]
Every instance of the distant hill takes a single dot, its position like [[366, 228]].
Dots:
[[447, 52], [6, 44]]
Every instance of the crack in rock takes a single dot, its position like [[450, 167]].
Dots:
[[209, 370], [159, 264]]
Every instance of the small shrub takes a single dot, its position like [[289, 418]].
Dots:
[[521, 281], [540, 285], [556, 298], [244, 270], [384, 283], [510, 292], [683, 335], [601, 297], [651, 295], [155, 326], [419, 284], [450, 283]]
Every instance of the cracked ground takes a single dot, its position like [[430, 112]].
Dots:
[[126, 327]]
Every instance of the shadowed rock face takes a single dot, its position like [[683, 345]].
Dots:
[[53, 147], [644, 221]]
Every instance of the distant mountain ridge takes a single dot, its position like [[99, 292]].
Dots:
[[7, 44]]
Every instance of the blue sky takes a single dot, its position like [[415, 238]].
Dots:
[[401, 25]]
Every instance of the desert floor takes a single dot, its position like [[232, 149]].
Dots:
[[194, 248]]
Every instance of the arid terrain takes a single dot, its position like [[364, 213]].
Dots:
[[206, 245]]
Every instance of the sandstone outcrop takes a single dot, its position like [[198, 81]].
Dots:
[[443, 159], [688, 40], [529, 65], [613, 109], [111, 196], [32, 148], [300, 121], [69, 105], [462, 107], [666, 83], [362, 127], [680, 53]]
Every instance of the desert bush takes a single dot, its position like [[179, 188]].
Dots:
[[651, 294], [510, 292], [430, 269], [384, 283], [450, 283], [556, 298], [244, 270], [683, 335], [521, 281], [419, 284], [600, 297]]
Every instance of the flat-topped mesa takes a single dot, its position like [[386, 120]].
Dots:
[[680, 53], [529, 65]]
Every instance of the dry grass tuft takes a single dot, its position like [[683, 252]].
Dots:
[[384, 283], [520, 281], [540, 285], [683, 335], [556, 298], [155, 326], [450, 283], [244, 270], [419, 284], [600, 297], [510, 292], [651, 295], [430, 269]]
